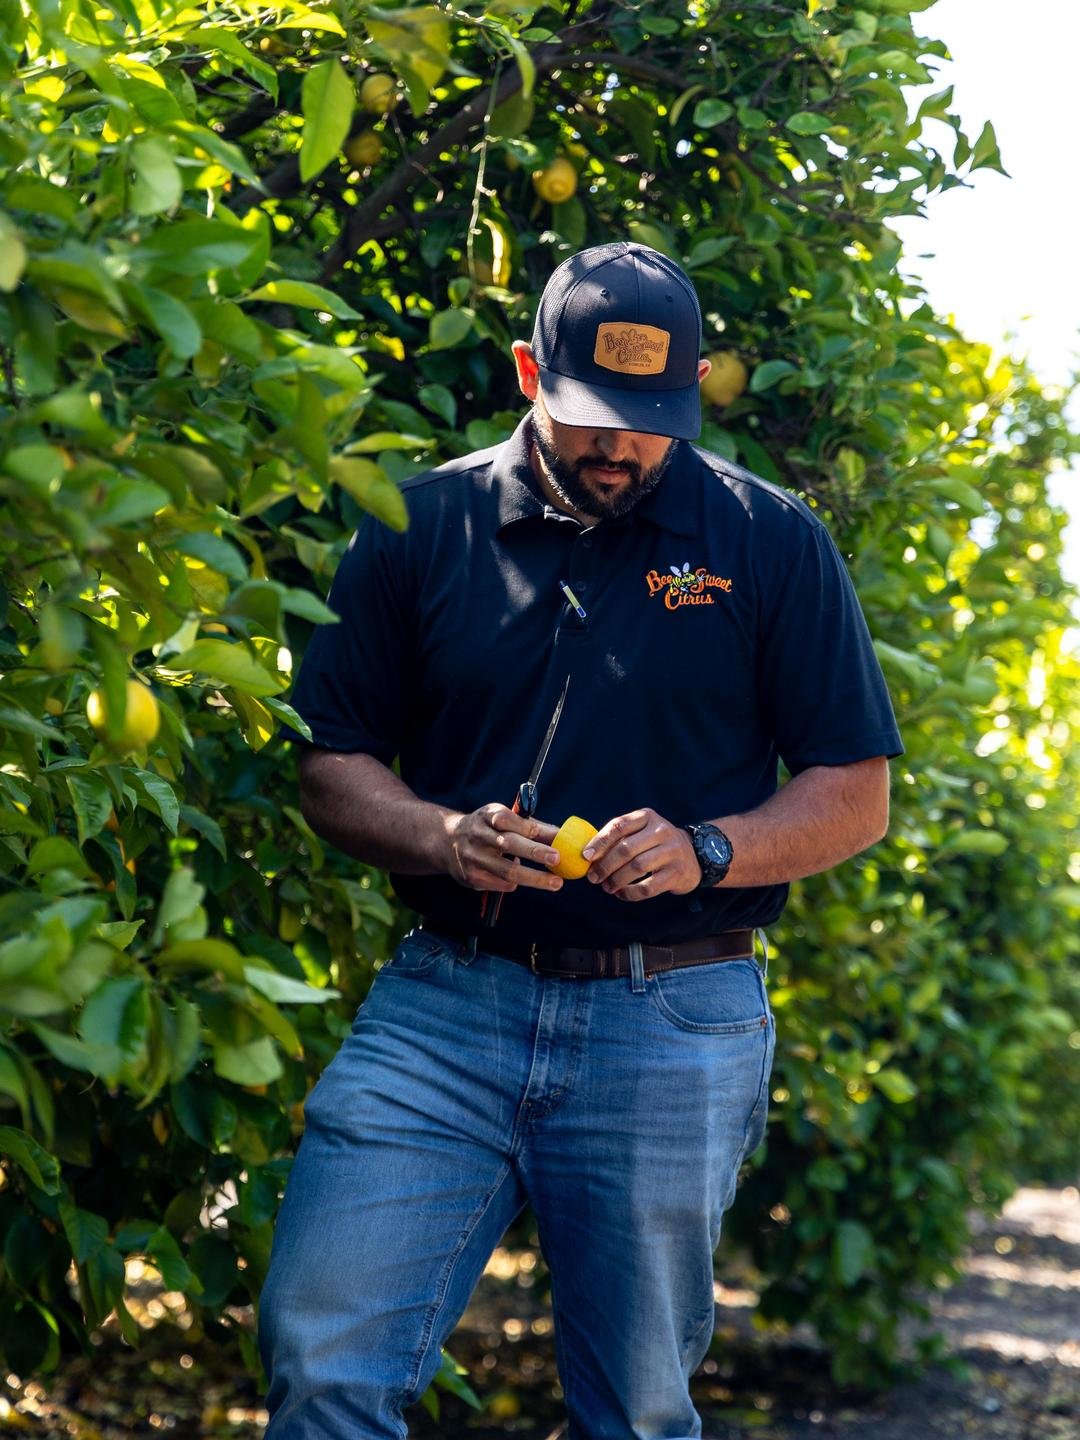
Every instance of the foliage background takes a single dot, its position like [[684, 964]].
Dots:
[[221, 343]]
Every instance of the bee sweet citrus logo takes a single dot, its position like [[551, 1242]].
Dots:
[[685, 586], [631, 349]]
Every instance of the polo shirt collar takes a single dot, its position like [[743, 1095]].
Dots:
[[671, 506], [517, 494]]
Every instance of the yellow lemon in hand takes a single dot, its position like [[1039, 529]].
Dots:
[[378, 94], [141, 717], [572, 837]]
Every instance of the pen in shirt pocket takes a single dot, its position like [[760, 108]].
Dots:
[[574, 601]]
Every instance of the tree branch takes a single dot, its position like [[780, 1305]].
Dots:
[[397, 186]]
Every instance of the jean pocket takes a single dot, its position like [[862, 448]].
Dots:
[[725, 998], [416, 954]]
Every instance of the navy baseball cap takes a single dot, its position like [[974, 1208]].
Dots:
[[617, 339]]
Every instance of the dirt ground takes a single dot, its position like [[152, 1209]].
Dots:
[[1012, 1325]]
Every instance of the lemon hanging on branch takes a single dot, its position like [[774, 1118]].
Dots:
[[364, 149], [141, 717], [556, 182], [727, 379], [379, 94]]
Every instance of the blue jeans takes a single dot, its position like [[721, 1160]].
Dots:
[[621, 1109]]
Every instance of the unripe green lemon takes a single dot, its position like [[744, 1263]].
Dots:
[[378, 94]]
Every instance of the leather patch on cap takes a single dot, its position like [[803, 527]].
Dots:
[[631, 349]]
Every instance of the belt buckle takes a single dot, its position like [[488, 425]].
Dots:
[[532, 958]]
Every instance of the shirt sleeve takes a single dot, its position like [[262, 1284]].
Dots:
[[820, 684], [353, 686]]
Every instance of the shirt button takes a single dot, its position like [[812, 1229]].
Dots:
[[586, 541]]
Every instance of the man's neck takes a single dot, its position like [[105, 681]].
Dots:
[[549, 492]]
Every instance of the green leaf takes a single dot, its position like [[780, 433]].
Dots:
[[206, 826], [711, 249], [985, 153], [170, 317], [951, 487], [805, 122], [307, 295], [895, 1085], [919, 673], [224, 322], [328, 101], [116, 1018], [283, 989], [975, 842], [86, 1232], [708, 113], [92, 802], [288, 715], [228, 156], [215, 551], [255, 1063], [56, 853], [129, 500], [387, 440], [180, 901], [30, 1336], [371, 488], [159, 796], [40, 1168], [165, 1252], [12, 255], [77, 1054], [449, 328], [197, 247], [217, 956], [101, 1285], [440, 401], [215, 37], [308, 606], [768, 373], [229, 664], [157, 185], [853, 1251]]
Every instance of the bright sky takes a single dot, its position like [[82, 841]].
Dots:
[[1005, 252]]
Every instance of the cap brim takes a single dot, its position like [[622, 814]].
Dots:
[[673, 413]]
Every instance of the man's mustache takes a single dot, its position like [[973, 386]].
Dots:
[[632, 468]]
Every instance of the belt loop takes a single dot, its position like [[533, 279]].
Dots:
[[765, 951], [468, 950], [637, 968]]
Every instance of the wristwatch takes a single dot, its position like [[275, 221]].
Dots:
[[714, 853]]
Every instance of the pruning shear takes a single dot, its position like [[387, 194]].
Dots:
[[525, 802]]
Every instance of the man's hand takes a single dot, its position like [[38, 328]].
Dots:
[[639, 855], [485, 850]]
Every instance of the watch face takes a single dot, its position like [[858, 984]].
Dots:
[[716, 850]]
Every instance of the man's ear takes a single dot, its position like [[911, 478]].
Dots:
[[528, 372]]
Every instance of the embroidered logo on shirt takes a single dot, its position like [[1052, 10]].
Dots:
[[631, 349], [685, 586]]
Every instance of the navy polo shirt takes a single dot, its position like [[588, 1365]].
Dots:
[[722, 634]]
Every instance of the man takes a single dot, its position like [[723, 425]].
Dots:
[[598, 1048]]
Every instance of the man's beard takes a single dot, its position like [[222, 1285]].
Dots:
[[570, 485]]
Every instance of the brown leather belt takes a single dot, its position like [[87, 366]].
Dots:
[[612, 962]]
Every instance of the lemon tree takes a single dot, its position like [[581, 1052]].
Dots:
[[230, 325]]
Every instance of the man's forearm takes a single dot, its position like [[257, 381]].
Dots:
[[817, 820], [367, 811]]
